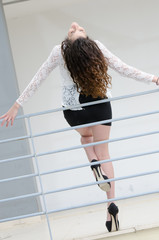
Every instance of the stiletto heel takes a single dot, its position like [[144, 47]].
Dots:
[[113, 225], [100, 177]]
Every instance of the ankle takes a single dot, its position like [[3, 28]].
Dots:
[[108, 216], [109, 203]]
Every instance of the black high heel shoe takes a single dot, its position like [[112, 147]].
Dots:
[[113, 225], [100, 177]]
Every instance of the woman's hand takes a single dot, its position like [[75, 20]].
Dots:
[[156, 80], [10, 115]]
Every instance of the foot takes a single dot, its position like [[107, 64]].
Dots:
[[100, 177], [112, 223]]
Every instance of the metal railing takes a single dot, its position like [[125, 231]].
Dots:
[[39, 174]]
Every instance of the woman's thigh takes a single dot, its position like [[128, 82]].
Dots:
[[85, 132], [100, 132]]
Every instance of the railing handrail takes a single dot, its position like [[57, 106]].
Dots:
[[81, 165], [79, 206], [80, 126], [39, 174], [87, 104], [79, 186], [78, 146]]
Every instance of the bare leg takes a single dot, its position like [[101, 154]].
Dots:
[[87, 137], [102, 132], [99, 152]]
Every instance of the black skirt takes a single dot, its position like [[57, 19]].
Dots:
[[89, 114]]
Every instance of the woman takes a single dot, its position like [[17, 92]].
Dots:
[[83, 65]]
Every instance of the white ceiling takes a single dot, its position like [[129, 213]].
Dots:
[[124, 21], [32, 6]]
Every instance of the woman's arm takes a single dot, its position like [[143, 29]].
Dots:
[[43, 72], [124, 69]]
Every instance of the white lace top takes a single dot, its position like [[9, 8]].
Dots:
[[70, 96]]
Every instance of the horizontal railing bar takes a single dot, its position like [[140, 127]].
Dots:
[[17, 158], [79, 186], [80, 206], [104, 201], [88, 104], [80, 166], [19, 177], [22, 216], [104, 121], [79, 146], [100, 182], [80, 126], [21, 197], [92, 124], [15, 139], [84, 145], [101, 161]]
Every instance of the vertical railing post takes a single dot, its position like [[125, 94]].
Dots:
[[40, 180]]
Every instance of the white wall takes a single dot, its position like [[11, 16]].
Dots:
[[129, 28]]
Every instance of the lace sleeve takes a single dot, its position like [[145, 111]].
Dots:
[[43, 72], [122, 68]]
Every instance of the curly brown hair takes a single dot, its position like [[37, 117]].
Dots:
[[87, 66]]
